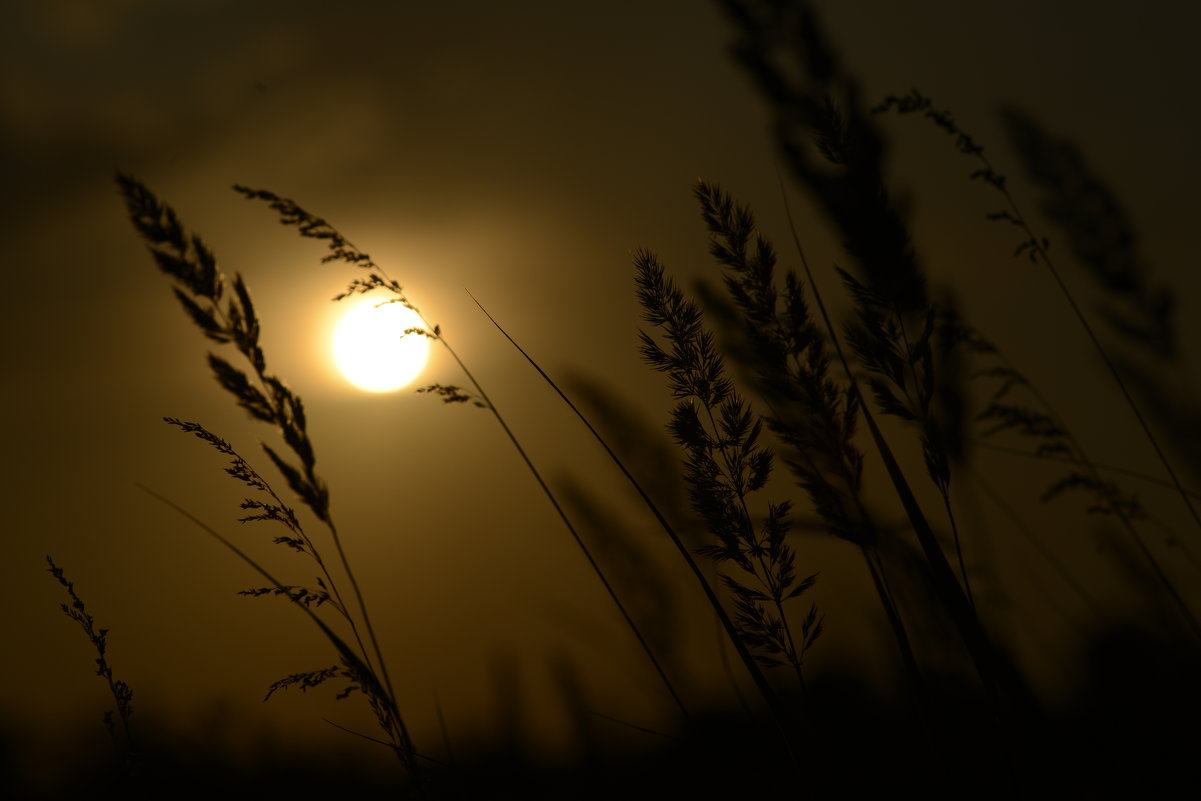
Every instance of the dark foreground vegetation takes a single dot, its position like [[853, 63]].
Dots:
[[1123, 733]]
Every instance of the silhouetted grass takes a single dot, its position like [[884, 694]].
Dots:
[[122, 694], [835, 153], [228, 317], [1122, 278], [341, 249], [769, 370], [737, 640], [724, 465]]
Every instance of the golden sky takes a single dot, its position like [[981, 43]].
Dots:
[[521, 151]]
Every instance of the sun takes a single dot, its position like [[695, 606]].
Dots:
[[371, 349]]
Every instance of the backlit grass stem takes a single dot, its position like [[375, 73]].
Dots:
[[342, 249]]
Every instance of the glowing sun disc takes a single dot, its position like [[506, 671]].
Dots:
[[372, 350]]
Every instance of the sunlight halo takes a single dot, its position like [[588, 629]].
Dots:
[[371, 349]]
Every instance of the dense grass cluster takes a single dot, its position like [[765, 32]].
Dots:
[[778, 409]]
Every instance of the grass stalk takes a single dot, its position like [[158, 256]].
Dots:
[[815, 106], [1101, 466], [228, 316], [351, 658], [1036, 248], [342, 249], [121, 692], [761, 684], [584, 549], [808, 412], [994, 672]]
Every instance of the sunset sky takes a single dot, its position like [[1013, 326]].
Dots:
[[521, 151]]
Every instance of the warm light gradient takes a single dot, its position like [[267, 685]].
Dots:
[[524, 152], [371, 348]]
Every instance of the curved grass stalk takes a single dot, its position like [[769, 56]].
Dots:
[[940, 478], [121, 691], [1064, 441], [752, 668], [554, 502], [353, 661], [994, 671], [201, 290], [1108, 468], [342, 249], [1036, 248], [815, 105], [724, 462]]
